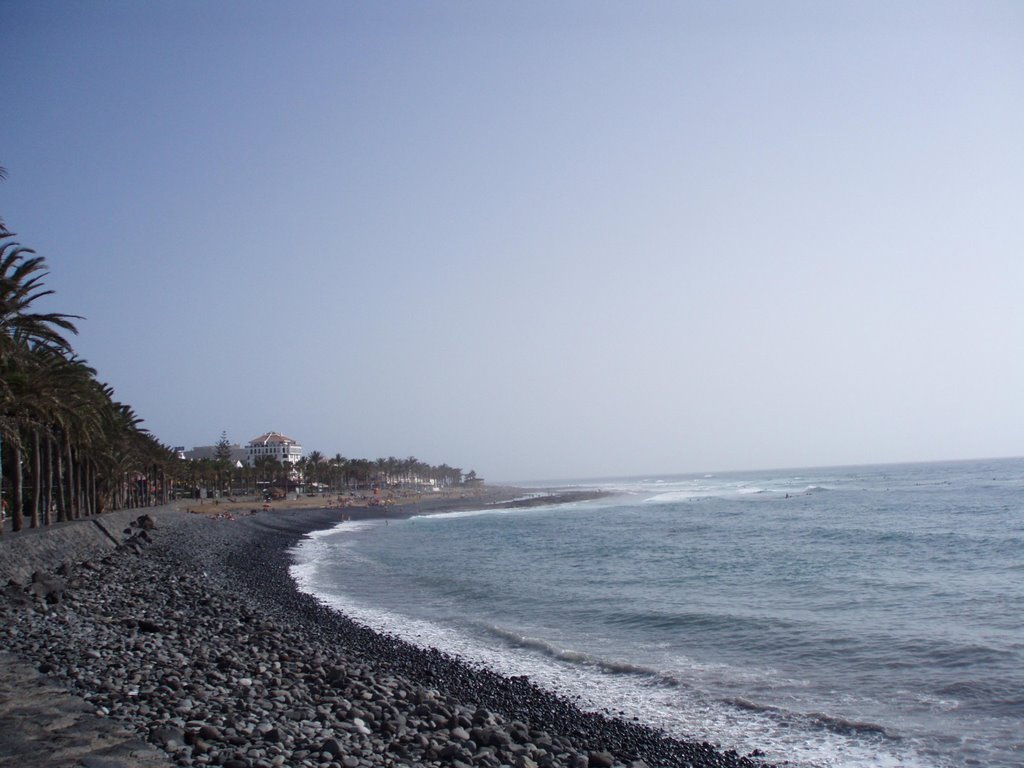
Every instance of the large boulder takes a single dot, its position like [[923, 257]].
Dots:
[[46, 587]]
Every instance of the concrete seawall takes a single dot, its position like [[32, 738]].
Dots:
[[44, 549]]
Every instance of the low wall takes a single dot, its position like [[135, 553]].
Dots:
[[45, 548]]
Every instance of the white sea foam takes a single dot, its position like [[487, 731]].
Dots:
[[699, 492], [525, 497], [346, 526], [441, 516], [317, 546], [665, 698], [823, 697], [462, 513], [672, 497]]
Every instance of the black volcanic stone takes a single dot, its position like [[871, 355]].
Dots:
[[209, 614]]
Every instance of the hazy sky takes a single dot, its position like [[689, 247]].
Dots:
[[539, 240]]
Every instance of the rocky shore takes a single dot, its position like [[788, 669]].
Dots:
[[193, 636]]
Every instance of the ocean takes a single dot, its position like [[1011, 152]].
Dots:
[[847, 617]]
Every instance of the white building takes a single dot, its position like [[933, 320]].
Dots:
[[274, 445]]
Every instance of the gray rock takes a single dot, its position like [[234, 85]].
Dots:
[[145, 625], [48, 588], [168, 737], [453, 751], [210, 733], [332, 747], [15, 596]]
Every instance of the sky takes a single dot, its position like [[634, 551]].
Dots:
[[537, 240]]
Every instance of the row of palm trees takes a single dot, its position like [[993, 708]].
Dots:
[[352, 474], [315, 470], [67, 447]]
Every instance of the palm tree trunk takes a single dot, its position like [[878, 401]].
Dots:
[[88, 498], [69, 477], [2, 516], [62, 502], [48, 495], [81, 484], [17, 512], [37, 477], [76, 491], [100, 490], [94, 489]]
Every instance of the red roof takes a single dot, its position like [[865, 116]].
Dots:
[[272, 438]]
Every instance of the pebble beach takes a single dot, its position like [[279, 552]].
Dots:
[[193, 643]]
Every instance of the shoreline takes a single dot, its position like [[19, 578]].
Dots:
[[265, 675], [394, 505]]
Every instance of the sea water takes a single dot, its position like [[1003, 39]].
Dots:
[[865, 616]]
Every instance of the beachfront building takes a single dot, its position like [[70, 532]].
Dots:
[[273, 445]]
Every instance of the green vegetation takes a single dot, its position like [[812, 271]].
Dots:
[[317, 472]]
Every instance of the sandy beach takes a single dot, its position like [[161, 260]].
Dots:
[[191, 641]]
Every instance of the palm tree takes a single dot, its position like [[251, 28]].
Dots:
[[39, 385], [23, 333], [21, 275], [338, 472], [83, 451], [314, 465], [3, 227], [267, 470]]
